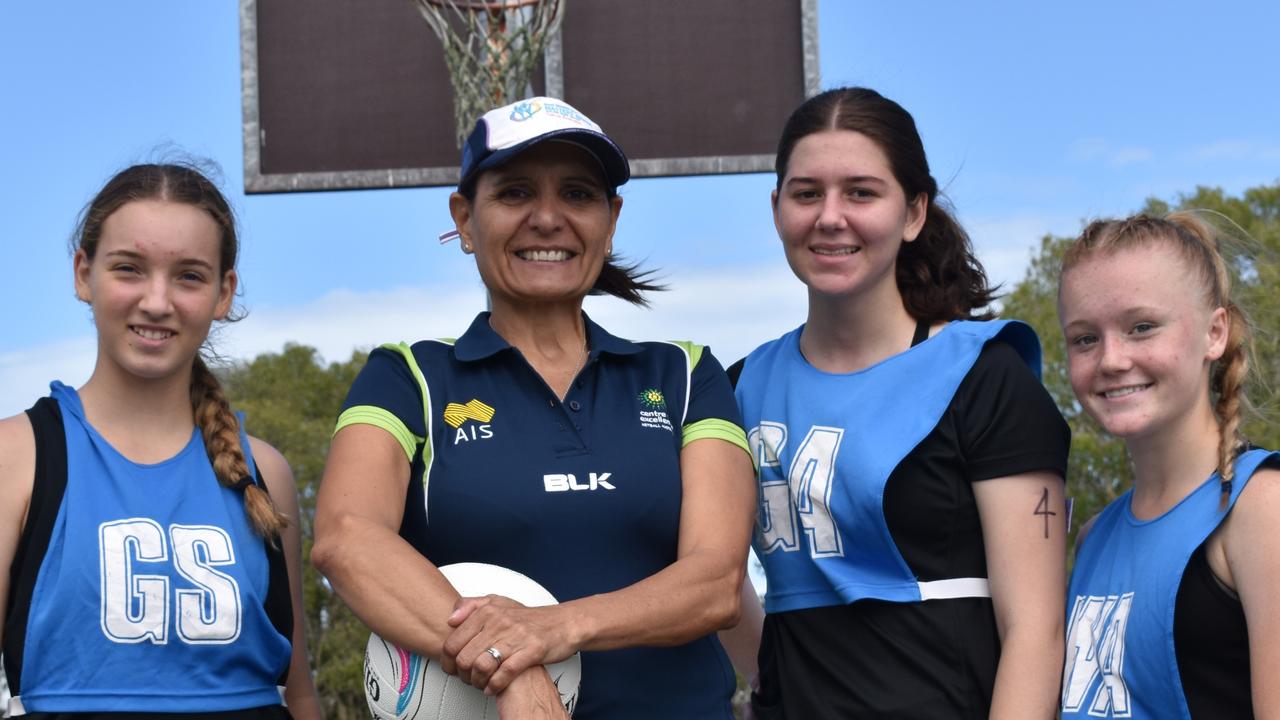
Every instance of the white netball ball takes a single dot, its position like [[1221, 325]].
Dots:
[[401, 685]]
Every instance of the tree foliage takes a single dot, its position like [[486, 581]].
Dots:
[[291, 400], [1098, 469]]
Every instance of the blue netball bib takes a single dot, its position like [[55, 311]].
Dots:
[[824, 446], [150, 594], [1121, 661]]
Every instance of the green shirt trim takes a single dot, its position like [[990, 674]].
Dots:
[[380, 417], [405, 351], [717, 429]]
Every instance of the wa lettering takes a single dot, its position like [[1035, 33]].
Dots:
[[799, 499], [1093, 677], [136, 606]]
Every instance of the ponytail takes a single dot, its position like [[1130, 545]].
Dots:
[[221, 432], [938, 274], [626, 282]]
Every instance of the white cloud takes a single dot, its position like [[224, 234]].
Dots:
[[1098, 150], [1087, 149], [1128, 156], [732, 310], [1237, 150], [1005, 245], [25, 373], [345, 320]]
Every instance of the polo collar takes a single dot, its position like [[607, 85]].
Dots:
[[481, 341]]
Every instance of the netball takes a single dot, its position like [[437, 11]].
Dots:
[[401, 685]]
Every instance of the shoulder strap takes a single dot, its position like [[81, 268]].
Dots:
[[46, 499], [279, 599], [735, 371], [1246, 464], [922, 333]]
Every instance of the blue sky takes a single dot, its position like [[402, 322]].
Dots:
[[1035, 116]]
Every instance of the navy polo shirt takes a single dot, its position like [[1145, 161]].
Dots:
[[582, 495]]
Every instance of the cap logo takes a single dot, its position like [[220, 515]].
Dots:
[[504, 132], [525, 110], [569, 113]]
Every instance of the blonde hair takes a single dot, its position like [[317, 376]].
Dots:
[[1198, 242]]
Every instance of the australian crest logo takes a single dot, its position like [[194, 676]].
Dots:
[[470, 420], [525, 110], [653, 410]]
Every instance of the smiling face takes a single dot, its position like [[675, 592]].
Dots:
[[540, 226], [155, 286], [1140, 339], [842, 215]]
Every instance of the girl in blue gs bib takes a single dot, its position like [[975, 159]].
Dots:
[[1171, 607], [149, 549]]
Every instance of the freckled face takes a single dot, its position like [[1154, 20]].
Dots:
[[842, 215], [155, 286], [1140, 339], [540, 226]]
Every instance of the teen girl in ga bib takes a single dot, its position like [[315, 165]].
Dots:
[[1171, 607]]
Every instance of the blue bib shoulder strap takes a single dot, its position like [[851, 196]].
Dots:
[[1120, 659], [825, 445]]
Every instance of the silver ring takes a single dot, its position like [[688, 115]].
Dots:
[[494, 653]]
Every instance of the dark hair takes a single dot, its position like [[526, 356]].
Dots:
[[627, 282], [1198, 242], [182, 183], [938, 275]]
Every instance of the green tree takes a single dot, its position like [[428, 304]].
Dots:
[[291, 400], [1098, 469]]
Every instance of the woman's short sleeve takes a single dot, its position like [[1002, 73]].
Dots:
[[713, 410], [386, 394]]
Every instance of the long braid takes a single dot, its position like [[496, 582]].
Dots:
[[1227, 377], [1227, 382], [221, 432]]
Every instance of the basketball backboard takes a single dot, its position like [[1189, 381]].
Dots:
[[339, 94]]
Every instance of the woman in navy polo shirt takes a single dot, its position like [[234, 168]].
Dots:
[[612, 472]]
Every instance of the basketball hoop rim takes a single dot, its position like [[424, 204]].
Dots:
[[483, 5]]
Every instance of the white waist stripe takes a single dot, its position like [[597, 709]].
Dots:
[[955, 588]]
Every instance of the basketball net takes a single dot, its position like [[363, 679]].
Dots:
[[491, 49]]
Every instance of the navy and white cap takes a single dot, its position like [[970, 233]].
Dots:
[[505, 132]]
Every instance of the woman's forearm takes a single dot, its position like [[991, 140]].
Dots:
[[1029, 675], [694, 596], [407, 606]]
